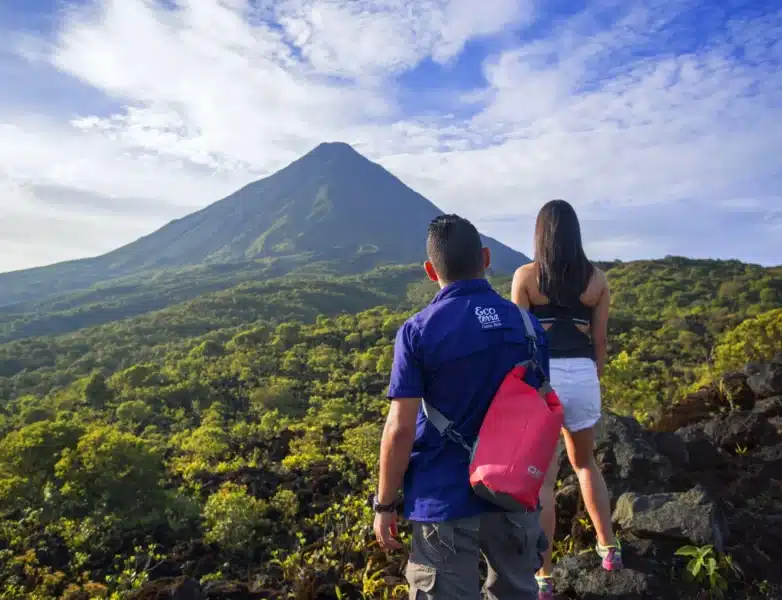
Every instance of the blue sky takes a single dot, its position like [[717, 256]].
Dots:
[[659, 121]]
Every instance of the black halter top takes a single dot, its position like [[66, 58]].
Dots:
[[565, 339]]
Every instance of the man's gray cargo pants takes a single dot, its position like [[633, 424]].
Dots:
[[444, 557]]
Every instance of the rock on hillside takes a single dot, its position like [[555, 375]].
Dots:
[[708, 474]]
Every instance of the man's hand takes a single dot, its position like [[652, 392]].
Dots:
[[395, 447], [386, 531]]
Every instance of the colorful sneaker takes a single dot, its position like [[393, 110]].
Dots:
[[611, 555], [545, 587]]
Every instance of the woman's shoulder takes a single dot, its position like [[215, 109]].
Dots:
[[597, 282], [526, 279], [599, 275], [524, 272]]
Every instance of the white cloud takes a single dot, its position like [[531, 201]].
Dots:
[[359, 38], [615, 108], [698, 125]]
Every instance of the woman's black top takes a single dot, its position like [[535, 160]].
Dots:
[[565, 339]]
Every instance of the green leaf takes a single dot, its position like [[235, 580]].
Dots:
[[687, 551], [711, 565], [694, 567]]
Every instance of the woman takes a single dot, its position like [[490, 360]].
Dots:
[[570, 297]]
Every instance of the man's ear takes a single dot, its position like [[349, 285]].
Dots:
[[486, 258], [430, 272]]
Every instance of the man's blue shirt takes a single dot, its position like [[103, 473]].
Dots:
[[455, 354]]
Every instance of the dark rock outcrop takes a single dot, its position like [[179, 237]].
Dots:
[[710, 473], [737, 391], [230, 590], [630, 455], [770, 407], [690, 517], [644, 576], [182, 588], [766, 379]]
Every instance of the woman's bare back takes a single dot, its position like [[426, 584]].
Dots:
[[525, 292], [526, 278]]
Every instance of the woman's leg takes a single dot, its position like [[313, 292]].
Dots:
[[580, 450], [548, 517]]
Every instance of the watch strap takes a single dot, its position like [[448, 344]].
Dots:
[[380, 508]]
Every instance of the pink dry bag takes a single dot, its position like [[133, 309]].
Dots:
[[518, 436]]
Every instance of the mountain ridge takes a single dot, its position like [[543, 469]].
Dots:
[[331, 205]]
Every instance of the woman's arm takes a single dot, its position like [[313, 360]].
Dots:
[[518, 289], [600, 326]]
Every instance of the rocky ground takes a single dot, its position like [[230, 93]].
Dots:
[[709, 473]]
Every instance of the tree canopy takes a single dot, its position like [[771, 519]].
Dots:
[[251, 420]]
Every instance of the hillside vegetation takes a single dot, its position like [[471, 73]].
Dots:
[[197, 291], [666, 316], [237, 434]]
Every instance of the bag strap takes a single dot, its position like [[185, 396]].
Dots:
[[529, 333], [533, 364], [444, 425]]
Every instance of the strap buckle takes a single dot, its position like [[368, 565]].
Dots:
[[457, 437]]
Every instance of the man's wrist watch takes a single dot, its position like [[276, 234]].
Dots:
[[381, 508]]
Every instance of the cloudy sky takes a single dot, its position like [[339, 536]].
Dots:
[[661, 121]]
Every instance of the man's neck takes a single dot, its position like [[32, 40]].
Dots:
[[443, 283]]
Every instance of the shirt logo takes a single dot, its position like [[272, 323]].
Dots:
[[487, 317], [534, 471]]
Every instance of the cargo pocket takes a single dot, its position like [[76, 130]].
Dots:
[[530, 540], [421, 579]]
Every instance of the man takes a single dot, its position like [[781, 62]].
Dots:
[[454, 354]]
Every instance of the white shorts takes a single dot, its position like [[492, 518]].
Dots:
[[576, 382]]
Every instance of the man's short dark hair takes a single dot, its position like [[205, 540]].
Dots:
[[455, 248]]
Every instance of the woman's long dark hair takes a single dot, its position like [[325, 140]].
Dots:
[[563, 268]]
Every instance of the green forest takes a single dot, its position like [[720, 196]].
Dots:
[[237, 432]]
